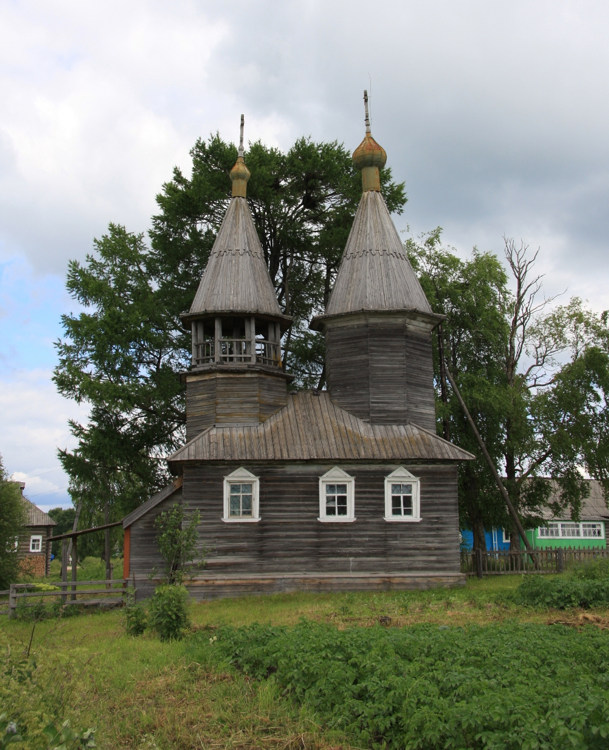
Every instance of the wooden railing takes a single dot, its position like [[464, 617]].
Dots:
[[82, 593], [499, 562]]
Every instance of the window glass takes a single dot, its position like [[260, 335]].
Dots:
[[241, 499], [336, 499], [401, 499]]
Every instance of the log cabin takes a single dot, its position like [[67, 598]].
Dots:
[[347, 488]]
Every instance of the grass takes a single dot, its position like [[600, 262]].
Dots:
[[141, 693]]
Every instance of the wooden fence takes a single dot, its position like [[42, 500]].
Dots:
[[106, 593], [480, 562]]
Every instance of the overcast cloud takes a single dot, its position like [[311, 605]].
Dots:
[[495, 114]]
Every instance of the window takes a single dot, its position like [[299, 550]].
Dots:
[[572, 530], [336, 497], [402, 496], [241, 497], [36, 543]]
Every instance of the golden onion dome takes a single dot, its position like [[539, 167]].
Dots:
[[369, 157], [240, 174]]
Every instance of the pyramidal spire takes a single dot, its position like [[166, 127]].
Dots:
[[236, 279], [375, 274]]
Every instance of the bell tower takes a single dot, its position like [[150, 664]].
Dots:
[[236, 375], [378, 321]]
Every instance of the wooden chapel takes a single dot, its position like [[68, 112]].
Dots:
[[344, 489]]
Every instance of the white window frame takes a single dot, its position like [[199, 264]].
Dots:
[[242, 476], [571, 530], [399, 476], [333, 477], [36, 538]]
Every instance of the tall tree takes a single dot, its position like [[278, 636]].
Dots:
[[533, 374], [12, 524], [123, 355]]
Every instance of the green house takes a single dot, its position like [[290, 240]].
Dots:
[[589, 531]]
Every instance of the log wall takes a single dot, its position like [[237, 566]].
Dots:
[[290, 548], [382, 372], [232, 398]]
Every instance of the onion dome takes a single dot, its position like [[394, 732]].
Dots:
[[240, 174], [369, 157]]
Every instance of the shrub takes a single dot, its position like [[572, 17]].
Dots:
[[168, 612], [136, 619], [564, 592], [177, 541]]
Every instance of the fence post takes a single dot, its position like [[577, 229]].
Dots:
[[12, 601], [560, 560], [64, 571], [478, 558]]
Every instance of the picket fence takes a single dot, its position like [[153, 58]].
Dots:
[[499, 562]]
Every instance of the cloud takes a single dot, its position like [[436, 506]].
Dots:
[[34, 425], [494, 115]]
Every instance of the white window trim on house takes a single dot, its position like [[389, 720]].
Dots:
[[36, 543], [572, 530], [403, 476], [333, 477], [242, 476]]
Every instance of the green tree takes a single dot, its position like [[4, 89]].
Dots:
[[12, 525], [123, 354], [534, 377]]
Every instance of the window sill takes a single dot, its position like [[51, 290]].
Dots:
[[337, 519], [241, 520], [402, 519]]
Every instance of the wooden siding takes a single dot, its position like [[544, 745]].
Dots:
[[382, 372], [244, 397], [35, 563], [145, 561], [290, 541]]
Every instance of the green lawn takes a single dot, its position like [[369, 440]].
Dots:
[[141, 693]]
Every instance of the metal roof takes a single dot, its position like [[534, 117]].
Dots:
[[375, 273], [236, 279], [594, 507], [313, 427]]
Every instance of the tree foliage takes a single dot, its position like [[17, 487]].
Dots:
[[534, 376], [12, 525], [176, 539], [123, 354]]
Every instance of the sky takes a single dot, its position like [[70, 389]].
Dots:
[[494, 114]]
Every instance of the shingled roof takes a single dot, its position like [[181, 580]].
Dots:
[[312, 427], [35, 516], [375, 273], [236, 279]]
